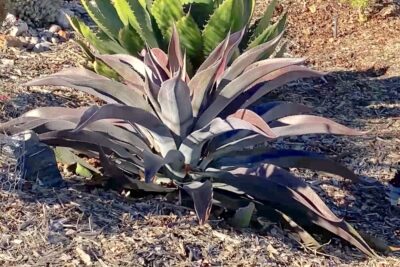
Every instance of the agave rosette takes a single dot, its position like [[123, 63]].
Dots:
[[204, 133]]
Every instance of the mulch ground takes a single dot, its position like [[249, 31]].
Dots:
[[79, 225]]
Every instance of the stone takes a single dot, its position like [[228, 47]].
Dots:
[[46, 34], [10, 19], [36, 161], [62, 18], [64, 35], [41, 47], [55, 40], [19, 30], [54, 28]]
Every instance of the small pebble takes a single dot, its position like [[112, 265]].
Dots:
[[55, 40], [64, 35], [19, 29], [62, 18], [54, 28], [41, 47]]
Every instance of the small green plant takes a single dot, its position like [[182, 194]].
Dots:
[[163, 129], [361, 5], [128, 26]]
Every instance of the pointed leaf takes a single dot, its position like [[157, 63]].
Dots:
[[265, 20], [102, 42], [176, 109], [193, 144], [190, 36], [309, 124], [239, 85], [134, 116], [270, 32], [105, 16], [130, 40], [249, 57], [175, 57], [97, 85], [166, 13], [243, 215], [202, 195]]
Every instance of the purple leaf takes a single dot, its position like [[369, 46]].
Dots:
[[309, 124], [96, 85], [240, 84], [134, 116], [251, 56], [175, 104], [175, 57], [193, 144], [202, 195]]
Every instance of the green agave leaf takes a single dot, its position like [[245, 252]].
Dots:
[[130, 40], [166, 13], [190, 37], [100, 41], [105, 16], [83, 171], [200, 10], [218, 26], [134, 13], [242, 11], [269, 33], [242, 217], [231, 15], [185, 2], [68, 157], [104, 70], [265, 21]]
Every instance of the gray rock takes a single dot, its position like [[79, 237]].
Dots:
[[41, 47], [54, 28], [62, 19], [47, 34], [19, 29], [32, 32], [34, 160]]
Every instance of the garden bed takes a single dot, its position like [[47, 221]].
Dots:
[[84, 225]]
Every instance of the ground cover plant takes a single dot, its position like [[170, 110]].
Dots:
[[128, 26], [163, 130]]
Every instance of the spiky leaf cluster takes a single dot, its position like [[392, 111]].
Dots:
[[126, 26], [35, 12], [203, 133]]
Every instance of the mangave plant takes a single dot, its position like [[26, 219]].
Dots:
[[35, 12], [162, 129], [127, 26]]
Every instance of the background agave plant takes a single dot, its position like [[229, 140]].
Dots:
[[162, 129], [126, 26]]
